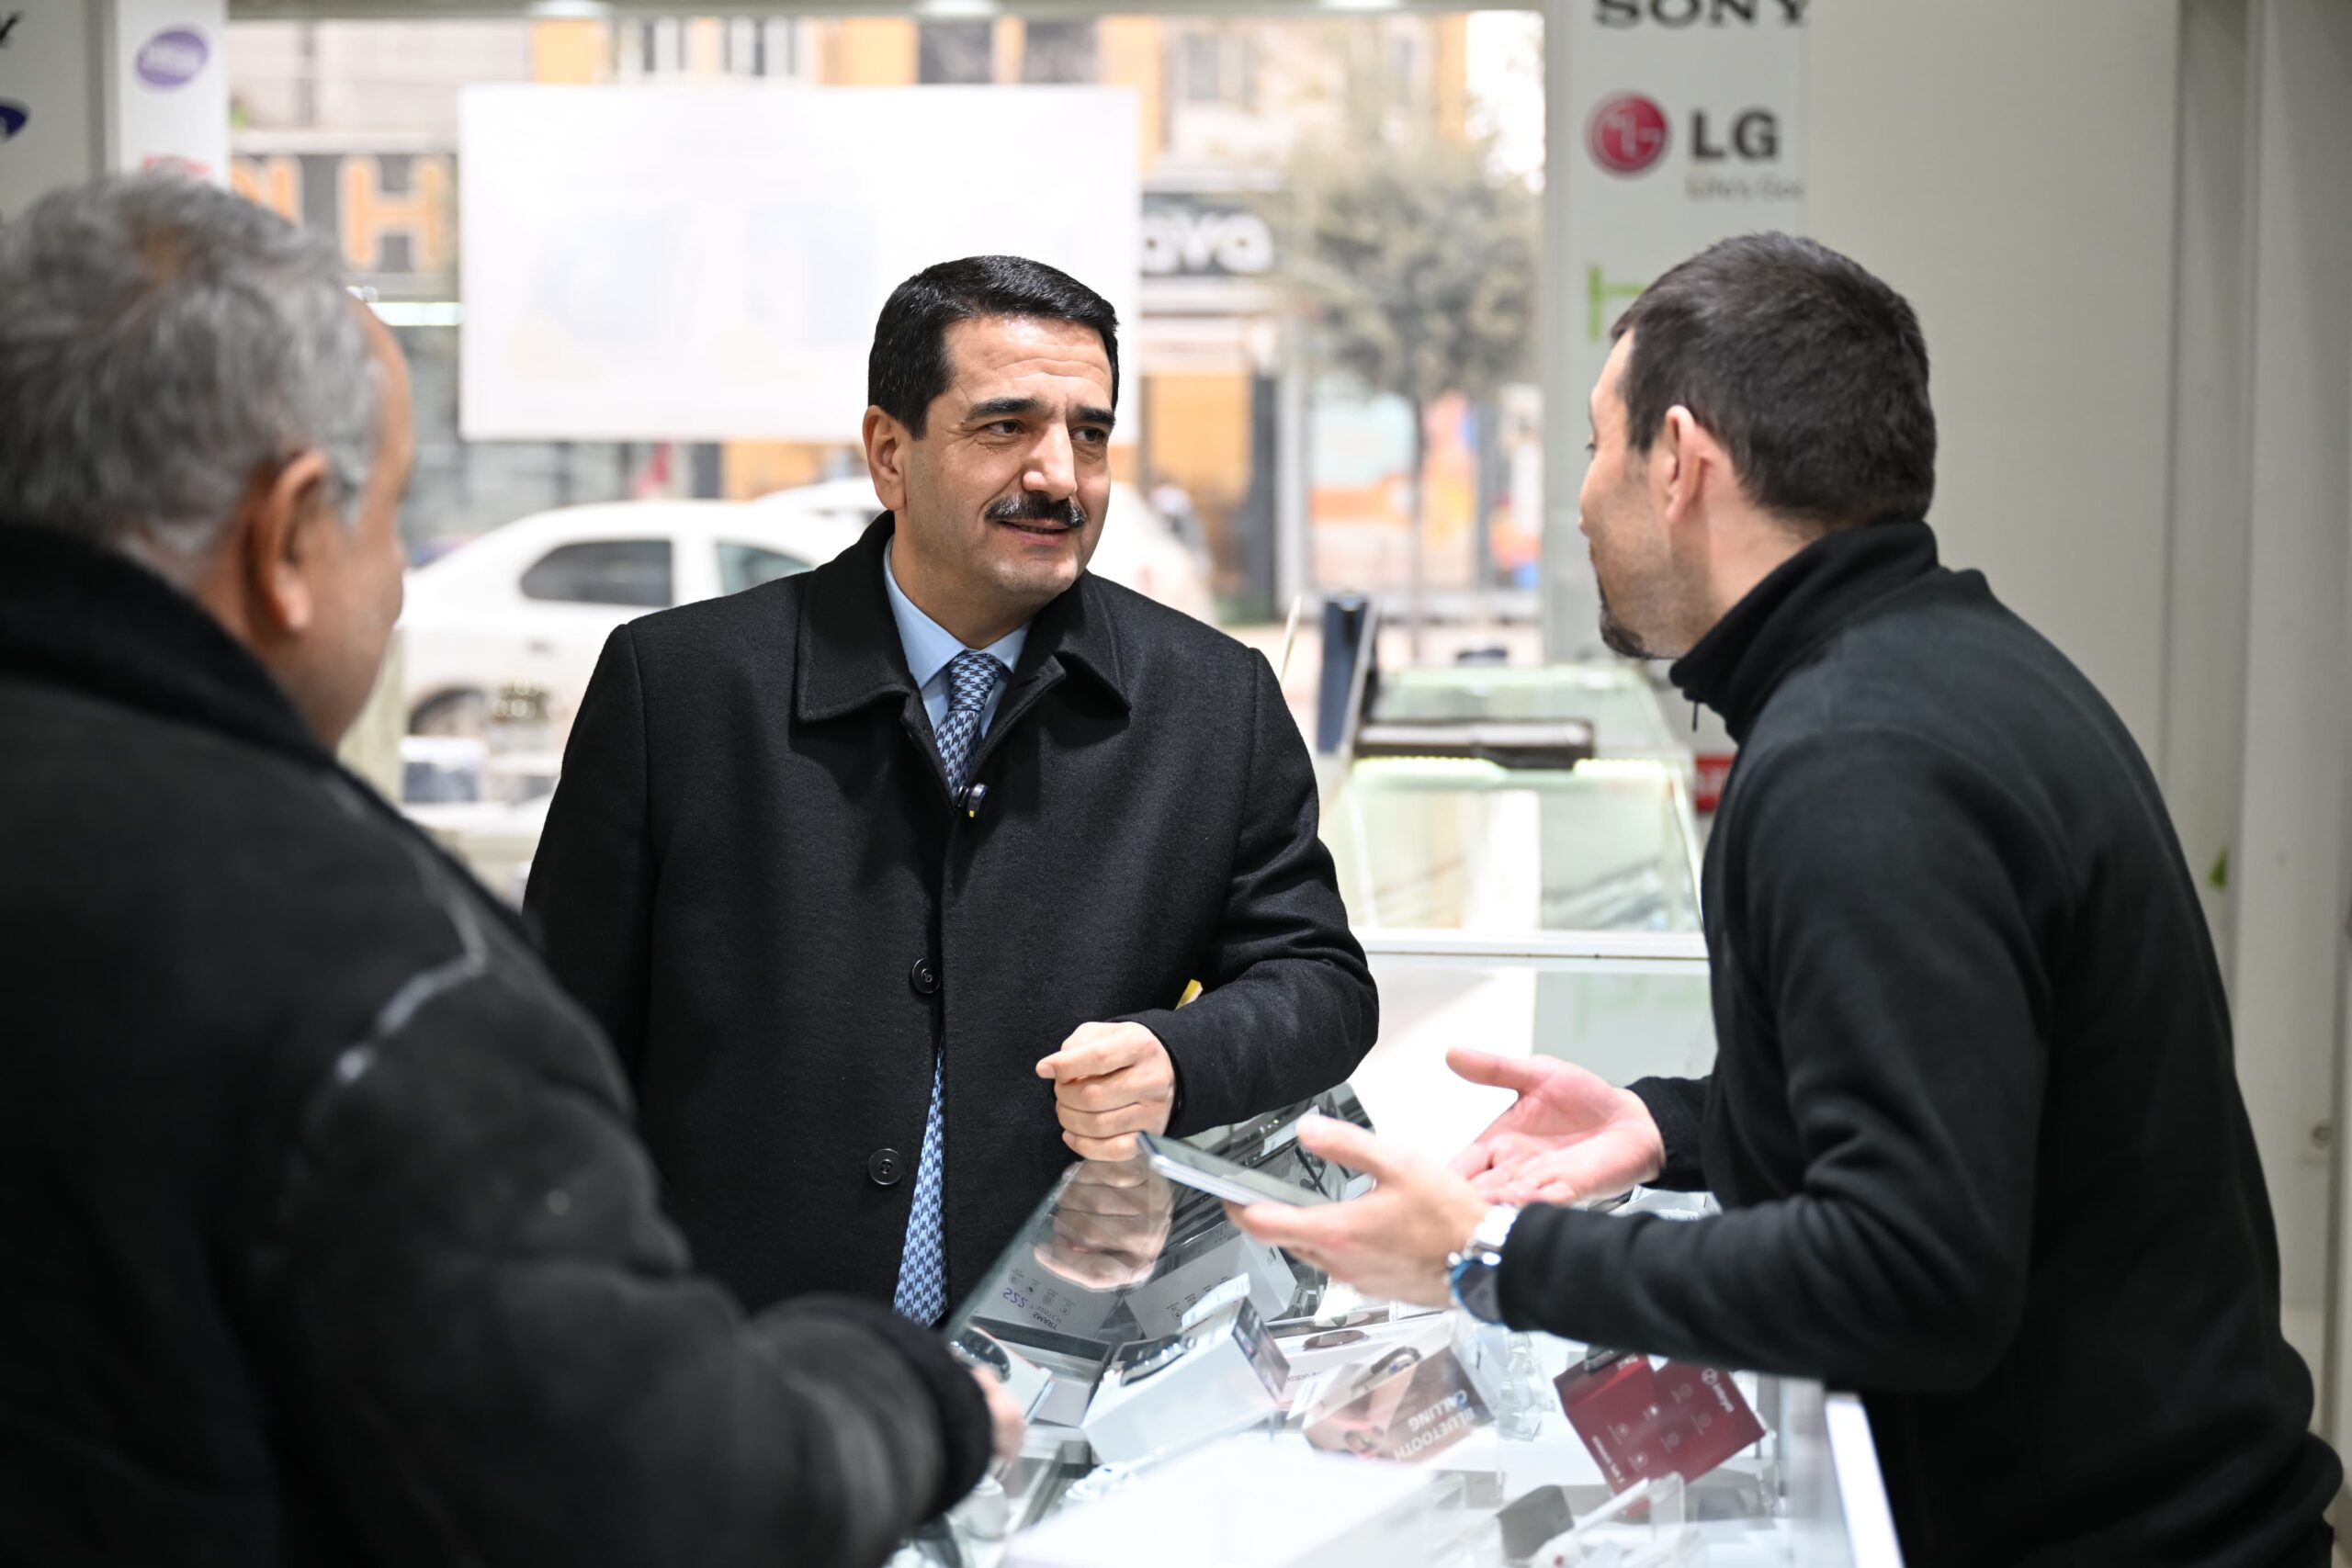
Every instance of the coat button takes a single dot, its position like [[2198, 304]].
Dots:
[[924, 978], [884, 1167]]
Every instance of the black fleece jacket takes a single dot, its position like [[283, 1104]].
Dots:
[[324, 1237], [1975, 1119]]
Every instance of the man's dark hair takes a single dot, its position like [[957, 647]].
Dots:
[[1809, 370], [907, 366]]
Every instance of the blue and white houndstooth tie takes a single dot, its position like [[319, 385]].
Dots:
[[922, 1267]]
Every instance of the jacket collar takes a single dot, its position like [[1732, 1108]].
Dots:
[[850, 654], [76, 615], [1786, 618]]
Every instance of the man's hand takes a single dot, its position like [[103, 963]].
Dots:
[[1006, 1423], [1570, 1135], [1110, 1224], [1111, 1081], [1392, 1243]]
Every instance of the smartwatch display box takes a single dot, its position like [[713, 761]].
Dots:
[[1159, 1396], [1162, 1306], [1029, 1385]]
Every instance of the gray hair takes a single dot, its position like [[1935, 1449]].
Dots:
[[164, 344]]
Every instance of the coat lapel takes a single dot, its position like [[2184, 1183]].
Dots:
[[849, 656]]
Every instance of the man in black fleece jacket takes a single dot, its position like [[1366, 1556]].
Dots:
[[1974, 1120], [327, 1236]]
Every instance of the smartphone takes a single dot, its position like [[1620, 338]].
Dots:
[[1209, 1173]]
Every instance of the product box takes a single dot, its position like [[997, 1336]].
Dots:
[[1160, 1396], [1161, 1305], [1314, 1346], [1641, 1421], [1420, 1399]]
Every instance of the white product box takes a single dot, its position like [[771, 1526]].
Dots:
[[1161, 1396]]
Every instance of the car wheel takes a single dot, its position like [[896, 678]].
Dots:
[[463, 713]]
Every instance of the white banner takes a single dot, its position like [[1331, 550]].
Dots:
[[1692, 114], [697, 264], [170, 96]]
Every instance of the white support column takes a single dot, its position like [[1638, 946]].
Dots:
[[92, 85], [2201, 755], [53, 115], [1571, 600], [2289, 879], [2335, 1393], [1293, 574]]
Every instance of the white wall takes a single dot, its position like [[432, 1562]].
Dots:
[[2007, 164]]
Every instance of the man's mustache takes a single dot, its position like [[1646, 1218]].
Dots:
[[1031, 507]]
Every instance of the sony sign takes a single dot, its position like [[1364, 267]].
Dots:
[[1680, 14]]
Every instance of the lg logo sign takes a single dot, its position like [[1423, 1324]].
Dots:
[[1629, 134], [1680, 14], [1753, 138]]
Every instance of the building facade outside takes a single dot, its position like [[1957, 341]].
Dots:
[[1290, 478]]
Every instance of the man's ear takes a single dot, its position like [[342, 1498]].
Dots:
[[886, 457], [281, 542], [1695, 459]]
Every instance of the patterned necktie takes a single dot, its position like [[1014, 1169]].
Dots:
[[922, 1271]]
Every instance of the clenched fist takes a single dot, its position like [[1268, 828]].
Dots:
[[1111, 1081]]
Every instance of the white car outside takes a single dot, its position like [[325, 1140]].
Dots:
[[523, 611], [526, 607]]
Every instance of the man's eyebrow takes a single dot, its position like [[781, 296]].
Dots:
[[1029, 408], [999, 408]]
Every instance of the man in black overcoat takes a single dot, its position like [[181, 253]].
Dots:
[[887, 879]]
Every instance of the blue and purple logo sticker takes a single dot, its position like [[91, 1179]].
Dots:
[[172, 59], [11, 118]]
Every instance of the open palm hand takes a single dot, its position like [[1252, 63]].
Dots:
[[1570, 1135]]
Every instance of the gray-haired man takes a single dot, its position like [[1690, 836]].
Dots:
[[326, 1235]]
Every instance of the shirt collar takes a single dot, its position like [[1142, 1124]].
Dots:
[[931, 646], [846, 637]]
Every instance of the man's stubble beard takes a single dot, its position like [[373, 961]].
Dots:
[[1620, 639], [1617, 635]]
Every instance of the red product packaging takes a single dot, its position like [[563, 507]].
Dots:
[[1641, 1421]]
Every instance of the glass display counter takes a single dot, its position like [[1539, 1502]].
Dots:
[[1465, 845], [1199, 1399], [1615, 699], [1520, 911]]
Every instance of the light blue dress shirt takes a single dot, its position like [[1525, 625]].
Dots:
[[930, 648]]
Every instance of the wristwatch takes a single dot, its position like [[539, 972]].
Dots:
[[1476, 1271]]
